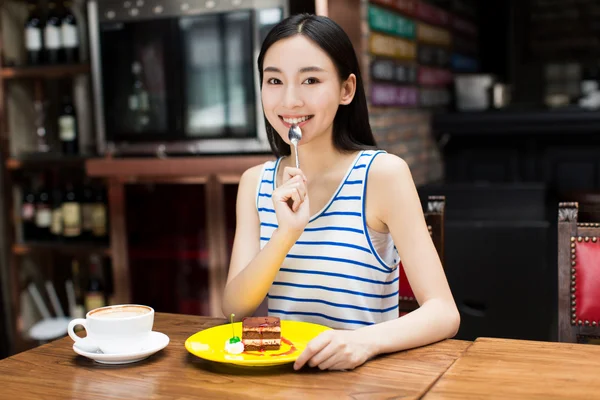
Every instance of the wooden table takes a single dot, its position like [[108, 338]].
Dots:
[[55, 371], [509, 369]]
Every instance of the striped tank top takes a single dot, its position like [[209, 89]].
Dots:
[[332, 275]]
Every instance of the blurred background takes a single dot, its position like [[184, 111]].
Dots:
[[126, 124]]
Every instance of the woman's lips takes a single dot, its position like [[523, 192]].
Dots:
[[300, 124]]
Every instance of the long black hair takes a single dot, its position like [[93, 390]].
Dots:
[[351, 129]]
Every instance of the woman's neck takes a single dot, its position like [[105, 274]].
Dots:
[[316, 156]]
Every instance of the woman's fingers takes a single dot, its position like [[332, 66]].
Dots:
[[291, 172], [297, 199], [301, 189], [293, 189], [284, 194], [297, 184], [291, 196]]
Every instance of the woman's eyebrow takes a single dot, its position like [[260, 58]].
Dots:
[[271, 69], [311, 69], [301, 70]]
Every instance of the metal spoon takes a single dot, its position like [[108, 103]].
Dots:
[[295, 135]]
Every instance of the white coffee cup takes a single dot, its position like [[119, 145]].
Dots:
[[116, 329]]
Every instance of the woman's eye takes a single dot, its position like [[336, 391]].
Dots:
[[311, 81], [273, 81]]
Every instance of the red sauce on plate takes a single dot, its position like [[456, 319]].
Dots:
[[284, 340]]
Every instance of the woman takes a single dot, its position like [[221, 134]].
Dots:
[[323, 242]]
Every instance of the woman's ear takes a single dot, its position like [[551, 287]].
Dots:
[[348, 90]]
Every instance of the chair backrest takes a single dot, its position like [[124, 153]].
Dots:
[[578, 277], [434, 218]]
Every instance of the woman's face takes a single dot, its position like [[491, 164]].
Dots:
[[301, 85]]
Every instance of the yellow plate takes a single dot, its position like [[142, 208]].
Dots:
[[210, 344]]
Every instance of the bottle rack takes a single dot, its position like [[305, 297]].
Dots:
[[21, 85]]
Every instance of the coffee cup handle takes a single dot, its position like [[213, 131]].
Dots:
[[83, 343], [73, 324]]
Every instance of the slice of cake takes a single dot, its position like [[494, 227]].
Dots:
[[261, 333]]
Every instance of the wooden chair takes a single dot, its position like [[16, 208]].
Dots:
[[435, 218], [578, 277]]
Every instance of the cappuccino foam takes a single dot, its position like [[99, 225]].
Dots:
[[120, 312]]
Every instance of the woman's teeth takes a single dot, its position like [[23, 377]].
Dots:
[[296, 120]]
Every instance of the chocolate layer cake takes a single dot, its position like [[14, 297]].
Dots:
[[261, 333]]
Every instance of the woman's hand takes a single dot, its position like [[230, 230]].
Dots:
[[290, 201], [335, 350]]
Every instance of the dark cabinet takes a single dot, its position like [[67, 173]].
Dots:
[[505, 172], [500, 258]]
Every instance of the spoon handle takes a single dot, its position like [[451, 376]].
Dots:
[[296, 152]]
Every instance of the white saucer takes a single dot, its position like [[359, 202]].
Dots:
[[156, 342], [50, 328]]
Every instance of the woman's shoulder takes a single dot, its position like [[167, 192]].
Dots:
[[389, 169], [255, 171], [390, 184], [253, 174], [387, 164]]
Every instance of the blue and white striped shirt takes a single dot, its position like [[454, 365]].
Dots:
[[332, 275]]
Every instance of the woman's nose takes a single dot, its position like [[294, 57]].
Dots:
[[292, 97]]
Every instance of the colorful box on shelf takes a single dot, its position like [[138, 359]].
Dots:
[[388, 95], [391, 23], [387, 46], [429, 76], [433, 35], [392, 71], [432, 14], [406, 7]]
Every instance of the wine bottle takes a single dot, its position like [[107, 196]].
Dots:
[[43, 213], [56, 228], [67, 123], [71, 210], [87, 205], [94, 294], [99, 216], [52, 35], [69, 34], [41, 133], [28, 213], [33, 35]]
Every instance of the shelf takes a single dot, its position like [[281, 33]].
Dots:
[[44, 160], [228, 167], [20, 249], [50, 71], [510, 121]]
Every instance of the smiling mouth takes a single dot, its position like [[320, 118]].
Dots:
[[297, 120]]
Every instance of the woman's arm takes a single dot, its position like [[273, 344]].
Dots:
[[392, 195], [397, 205], [252, 270], [335, 349]]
